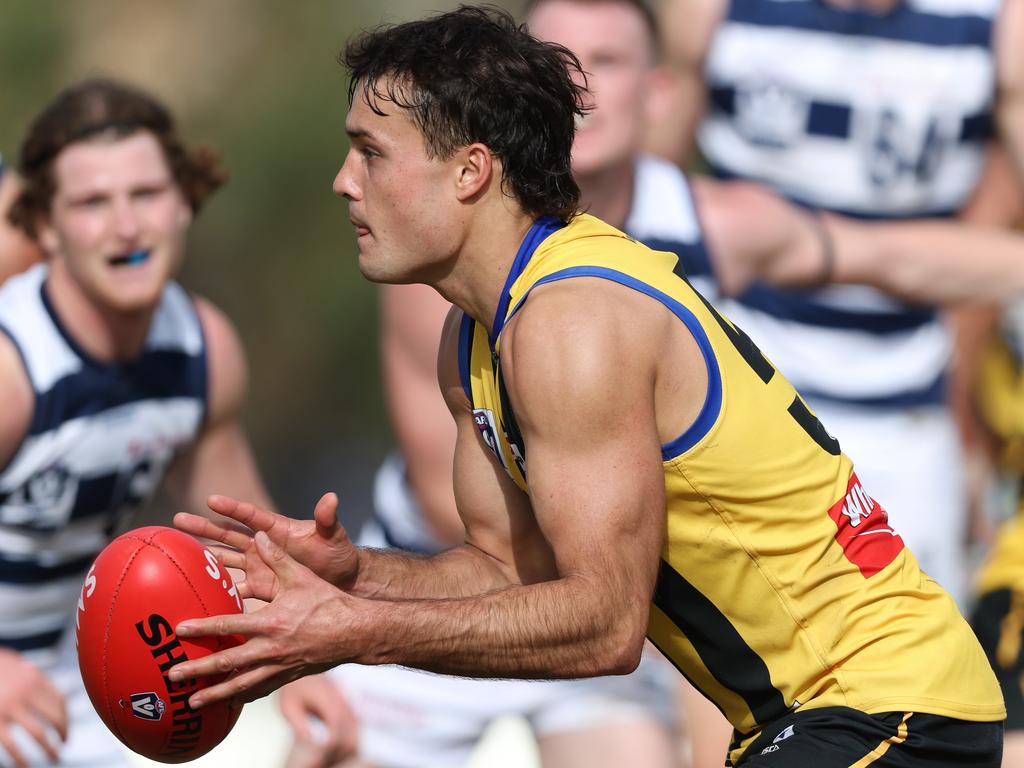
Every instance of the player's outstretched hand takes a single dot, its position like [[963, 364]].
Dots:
[[30, 701], [320, 544], [325, 727], [301, 631]]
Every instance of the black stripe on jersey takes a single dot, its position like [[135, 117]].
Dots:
[[508, 418], [720, 647], [812, 426], [31, 572], [748, 349], [32, 642], [157, 374], [693, 257]]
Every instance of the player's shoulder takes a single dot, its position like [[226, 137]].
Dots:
[[227, 367]]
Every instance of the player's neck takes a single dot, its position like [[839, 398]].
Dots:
[[608, 193], [104, 335], [477, 278]]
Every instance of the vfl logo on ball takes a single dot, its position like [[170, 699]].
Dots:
[[148, 706]]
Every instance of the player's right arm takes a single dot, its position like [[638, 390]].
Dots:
[[685, 31], [754, 234], [28, 699]]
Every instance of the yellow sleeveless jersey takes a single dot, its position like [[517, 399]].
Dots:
[[782, 585]]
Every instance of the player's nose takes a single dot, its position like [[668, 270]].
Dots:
[[345, 184]]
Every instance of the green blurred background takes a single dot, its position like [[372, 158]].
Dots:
[[257, 79]]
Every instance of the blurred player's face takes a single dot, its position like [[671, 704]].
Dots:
[[118, 221], [398, 197], [614, 46]]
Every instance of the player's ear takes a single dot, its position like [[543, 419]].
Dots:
[[47, 236], [475, 168]]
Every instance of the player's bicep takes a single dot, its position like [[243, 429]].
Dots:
[[586, 408]]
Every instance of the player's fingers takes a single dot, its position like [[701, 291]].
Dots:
[[230, 558], [295, 709], [326, 515], [224, 624], [49, 703], [213, 530], [33, 726], [7, 745], [242, 688], [279, 561], [247, 514]]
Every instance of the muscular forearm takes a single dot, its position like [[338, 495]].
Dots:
[[561, 628], [460, 572]]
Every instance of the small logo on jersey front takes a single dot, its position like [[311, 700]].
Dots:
[[771, 114], [863, 531], [148, 706], [488, 426], [784, 734], [43, 502]]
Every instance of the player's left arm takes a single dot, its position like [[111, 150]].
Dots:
[[221, 460], [584, 399], [1009, 52]]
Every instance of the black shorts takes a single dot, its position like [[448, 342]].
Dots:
[[998, 621], [839, 737]]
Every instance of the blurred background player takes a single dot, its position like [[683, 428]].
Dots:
[[114, 381], [885, 113], [17, 251], [409, 718]]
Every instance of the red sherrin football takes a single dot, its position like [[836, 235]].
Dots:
[[141, 585]]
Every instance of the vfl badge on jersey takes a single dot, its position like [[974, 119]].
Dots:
[[488, 426], [863, 530]]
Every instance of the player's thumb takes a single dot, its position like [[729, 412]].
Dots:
[[326, 515]]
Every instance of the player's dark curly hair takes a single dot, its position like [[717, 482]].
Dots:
[[475, 75], [101, 106]]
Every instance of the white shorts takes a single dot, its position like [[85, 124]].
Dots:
[[90, 744], [911, 462], [414, 719]]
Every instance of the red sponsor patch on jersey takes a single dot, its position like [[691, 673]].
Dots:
[[863, 531]]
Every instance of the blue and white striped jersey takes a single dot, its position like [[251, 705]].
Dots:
[[871, 115], [100, 439], [663, 217]]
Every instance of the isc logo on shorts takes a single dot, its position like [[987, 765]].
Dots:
[[862, 530]]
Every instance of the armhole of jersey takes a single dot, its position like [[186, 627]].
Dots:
[[203, 362], [712, 405], [465, 353]]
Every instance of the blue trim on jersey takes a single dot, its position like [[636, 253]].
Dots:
[[537, 233], [934, 393], [693, 256], [30, 572], [800, 307], [902, 23], [712, 400], [834, 120], [465, 353], [720, 172], [32, 642]]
